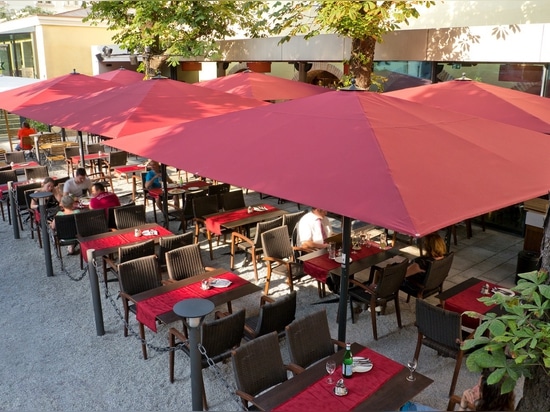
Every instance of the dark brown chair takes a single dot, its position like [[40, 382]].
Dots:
[[71, 151], [219, 190], [116, 158], [136, 276], [233, 200], [429, 283], [91, 222], [440, 330], [168, 243], [279, 257], [218, 337], [387, 289], [184, 262], [290, 220], [185, 214], [309, 339], [15, 157], [203, 206], [64, 234], [258, 366], [5, 177], [39, 172], [253, 247], [129, 216], [21, 202]]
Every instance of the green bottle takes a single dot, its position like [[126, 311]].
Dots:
[[347, 363]]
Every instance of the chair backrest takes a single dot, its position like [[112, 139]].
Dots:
[[3, 155], [233, 200], [277, 315], [27, 141], [95, 148], [129, 216], [38, 172], [436, 273], [262, 227], [290, 220], [91, 222], [57, 149], [118, 158], [276, 244], [184, 262], [138, 275], [7, 176], [442, 329], [309, 339], [205, 205], [15, 157], [65, 227], [168, 243], [71, 151], [222, 335], [188, 202], [258, 365], [391, 279], [111, 214], [20, 194], [134, 251], [219, 189]]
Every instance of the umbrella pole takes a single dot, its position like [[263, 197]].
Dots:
[[81, 149], [164, 194], [343, 304], [8, 129]]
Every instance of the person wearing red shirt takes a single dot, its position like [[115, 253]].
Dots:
[[102, 199], [24, 139]]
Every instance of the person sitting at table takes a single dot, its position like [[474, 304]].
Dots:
[[435, 250], [67, 208], [79, 185], [24, 139], [153, 180], [101, 199], [312, 229], [52, 202]]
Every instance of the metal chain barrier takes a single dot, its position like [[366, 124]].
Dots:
[[60, 260]]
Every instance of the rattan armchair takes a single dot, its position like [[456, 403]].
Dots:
[[129, 216], [203, 206], [65, 233], [184, 262], [253, 247], [219, 190], [431, 282], [233, 200], [290, 220], [136, 276], [168, 243], [5, 177], [70, 151], [35, 173], [15, 157], [91, 222]]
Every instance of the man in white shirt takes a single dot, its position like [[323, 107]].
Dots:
[[313, 228], [78, 185]]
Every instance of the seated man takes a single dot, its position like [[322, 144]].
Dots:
[[79, 185], [102, 199], [313, 228], [153, 179]]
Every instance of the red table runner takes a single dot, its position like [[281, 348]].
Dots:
[[93, 156], [468, 300], [24, 165], [119, 239], [129, 168], [320, 395], [157, 191], [214, 224], [320, 266], [149, 309]]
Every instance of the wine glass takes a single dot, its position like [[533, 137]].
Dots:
[[331, 367], [412, 364]]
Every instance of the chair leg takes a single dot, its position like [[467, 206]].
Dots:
[[143, 345], [373, 318], [253, 256], [458, 365], [232, 259], [209, 237], [418, 345], [351, 310], [171, 355], [398, 312], [267, 280]]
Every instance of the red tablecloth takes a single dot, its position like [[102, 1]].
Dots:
[[24, 165], [157, 191], [129, 168], [93, 156], [467, 300], [214, 224], [320, 266], [149, 309], [118, 239], [320, 395]]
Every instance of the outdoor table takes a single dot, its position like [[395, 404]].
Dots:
[[237, 218], [97, 246], [384, 388], [130, 169], [464, 297], [157, 304], [24, 165], [89, 157], [175, 188]]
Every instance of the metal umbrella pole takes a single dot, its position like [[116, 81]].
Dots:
[[13, 208], [164, 195], [41, 197], [344, 278]]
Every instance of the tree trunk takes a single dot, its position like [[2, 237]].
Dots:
[[361, 62], [536, 392]]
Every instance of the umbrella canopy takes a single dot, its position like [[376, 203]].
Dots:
[[262, 86], [9, 82], [484, 100], [140, 106], [383, 160], [25, 99], [121, 76]]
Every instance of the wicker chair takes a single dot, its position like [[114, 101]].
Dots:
[[185, 214], [136, 276], [184, 262], [290, 220], [71, 151], [117, 158], [430, 282], [129, 216], [202, 206], [5, 177], [219, 190], [91, 222], [253, 247], [279, 256], [274, 316], [15, 157], [218, 337], [168, 243], [34, 219], [440, 330], [147, 196], [39, 172], [233, 200], [21, 202], [258, 366], [65, 233], [126, 253], [391, 278], [309, 339]]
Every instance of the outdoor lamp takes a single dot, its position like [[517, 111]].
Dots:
[[41, 198], [193, 312]]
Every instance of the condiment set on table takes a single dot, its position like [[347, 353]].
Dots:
[[350, 364]]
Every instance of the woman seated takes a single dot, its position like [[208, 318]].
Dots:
[[435, 250], [52, 202]]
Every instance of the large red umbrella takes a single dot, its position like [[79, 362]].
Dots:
[[484, 100], [262, 86], [121, 76], [390, 162], [140, 106]]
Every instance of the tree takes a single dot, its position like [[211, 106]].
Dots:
[[164, 31], [363, 21], [517, 343]]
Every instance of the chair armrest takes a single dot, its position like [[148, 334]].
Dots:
[[210, 269], [178, 334], [295, 369], [127, 297], [246, 397], [249, 331], [272, 259], [241, 237], [455, 400], [167, 281], [339, 343], [362, 286], [265, 299], [219, 314]]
